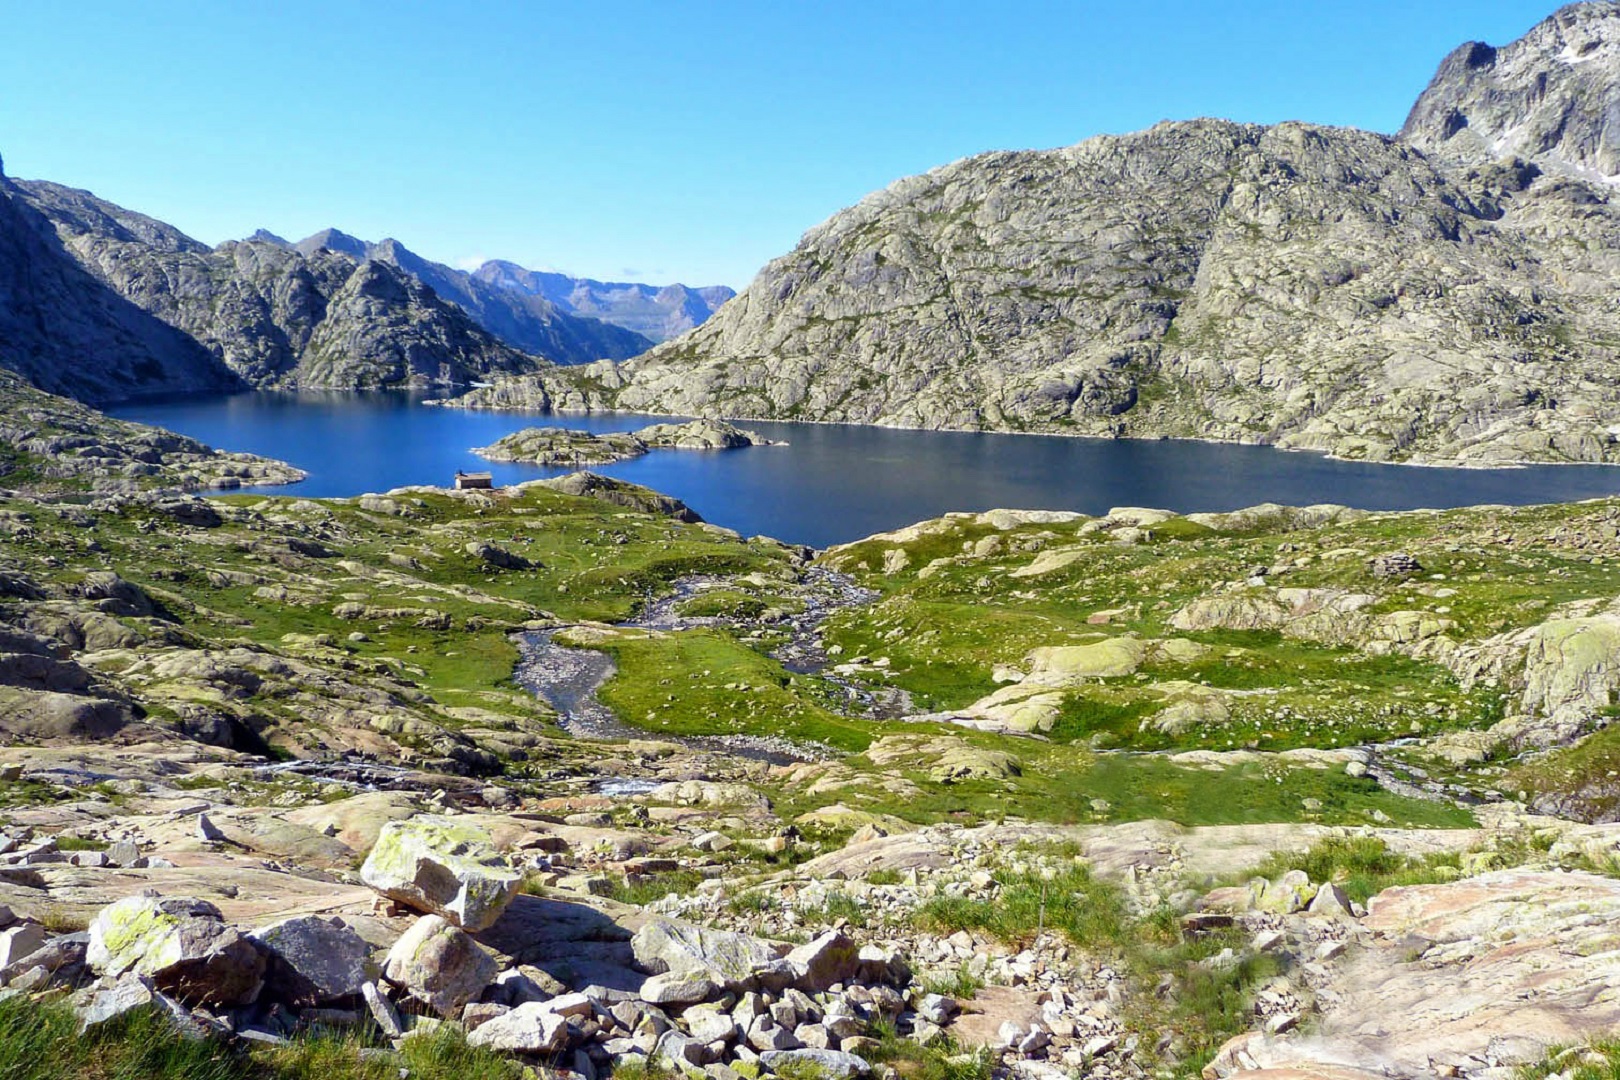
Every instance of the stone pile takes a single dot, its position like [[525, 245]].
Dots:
[[707, 1000]]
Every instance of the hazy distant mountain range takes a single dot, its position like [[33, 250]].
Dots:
[[527, 308]]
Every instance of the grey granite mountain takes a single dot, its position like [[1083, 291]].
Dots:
[[1305, 286], [255, 312], [656, 312], [69, 333], [1553, 96], [523, 320]]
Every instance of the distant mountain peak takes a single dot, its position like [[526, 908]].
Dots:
[[265, 236], [1552, 97], [333, 240], [658, 312]]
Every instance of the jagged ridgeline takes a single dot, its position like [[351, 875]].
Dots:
[[1444, 294], [102, 304]]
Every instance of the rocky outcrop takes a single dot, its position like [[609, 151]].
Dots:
[[51, 444], [1551, 97], [69, 332], [1483, 974], [621, 493], [566, 446], [1302, 286], [1571, 674]]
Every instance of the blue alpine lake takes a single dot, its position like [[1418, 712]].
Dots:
[[834, 482]]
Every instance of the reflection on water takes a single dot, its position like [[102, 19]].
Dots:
[[835, 482]]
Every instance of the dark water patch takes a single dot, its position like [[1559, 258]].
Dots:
[[834, 483]]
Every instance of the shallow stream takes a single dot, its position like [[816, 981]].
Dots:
[[568, 678]]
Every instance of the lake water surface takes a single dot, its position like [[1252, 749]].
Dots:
[[836, 482]]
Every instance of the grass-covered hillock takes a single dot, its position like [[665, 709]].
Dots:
[[1263, 630]]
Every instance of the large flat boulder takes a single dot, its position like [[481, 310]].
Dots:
[[1499, 968], [443, 866], [671, 947]]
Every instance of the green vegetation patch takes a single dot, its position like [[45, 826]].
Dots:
[[41, 1041], [705, 682]]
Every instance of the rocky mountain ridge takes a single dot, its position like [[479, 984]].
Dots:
[[1552, 97], [526, 321], [261, 314], [1303, 286], [54, 315]]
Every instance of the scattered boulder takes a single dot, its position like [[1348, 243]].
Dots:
[[685, 988], [123, 854], [830, 958], [183, 945], [531, 1028], [314, 960], [132, 994], [382, 1010], [498, 557], [20, 942], [440, 965], [442, 866]]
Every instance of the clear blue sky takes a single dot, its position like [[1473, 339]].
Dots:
[[651, 140]]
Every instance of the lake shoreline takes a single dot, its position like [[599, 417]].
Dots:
[[837, 482]]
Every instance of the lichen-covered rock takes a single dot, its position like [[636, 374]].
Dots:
[[1111, 658], [962, 762], [444, 866], [1571, 672], [1291, 892], [183, 945], [440, 965]]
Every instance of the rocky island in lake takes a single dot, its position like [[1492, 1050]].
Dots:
[[565, 446]]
